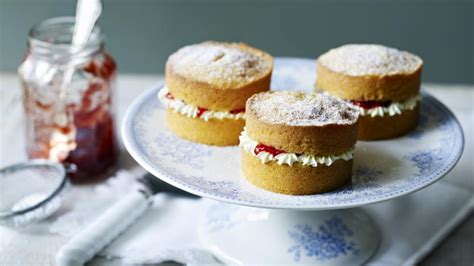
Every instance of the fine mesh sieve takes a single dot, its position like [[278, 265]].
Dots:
[[30, 191]]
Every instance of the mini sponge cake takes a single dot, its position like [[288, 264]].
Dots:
[[298, 143], [207, 85], [382, 82]]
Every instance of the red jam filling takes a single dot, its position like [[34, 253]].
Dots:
[[234, 112], [201, 110], [264, 148], [371, 104]]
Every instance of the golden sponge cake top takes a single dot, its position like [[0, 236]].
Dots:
[[301, 109], [370, 59], [221, 65]]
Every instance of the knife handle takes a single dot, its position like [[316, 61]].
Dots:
[[88, 242]]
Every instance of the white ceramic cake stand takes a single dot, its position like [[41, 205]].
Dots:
[[326, 228]]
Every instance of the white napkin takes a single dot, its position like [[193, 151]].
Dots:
[[166, 232], [411, 226]]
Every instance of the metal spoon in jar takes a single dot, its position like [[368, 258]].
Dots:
[[87, 13]]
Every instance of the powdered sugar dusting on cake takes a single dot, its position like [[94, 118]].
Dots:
[[369, 59], [223, 62], [301, 109]]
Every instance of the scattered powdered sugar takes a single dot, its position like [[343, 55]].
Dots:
[[211, 61], [40, 213], [369, 59], [302, 109]]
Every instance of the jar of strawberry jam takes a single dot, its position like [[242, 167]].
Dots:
[[68, 99]]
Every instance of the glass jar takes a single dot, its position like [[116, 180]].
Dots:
[[68, 99]]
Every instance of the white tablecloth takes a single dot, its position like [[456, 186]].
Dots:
[[33, 248]]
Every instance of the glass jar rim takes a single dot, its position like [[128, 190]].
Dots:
[[54, 35]]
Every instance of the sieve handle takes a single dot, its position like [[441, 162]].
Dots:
[[88, 242]]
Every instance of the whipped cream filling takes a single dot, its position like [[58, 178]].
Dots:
[[248, 145], [395, 108], [192, 111]]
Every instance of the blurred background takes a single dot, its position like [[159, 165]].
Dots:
[[142, 33]]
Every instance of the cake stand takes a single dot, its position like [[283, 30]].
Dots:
[[250, 225]]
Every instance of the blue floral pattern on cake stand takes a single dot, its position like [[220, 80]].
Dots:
[[331, 240], [383, 170]]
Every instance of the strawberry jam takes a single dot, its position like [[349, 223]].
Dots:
[[201, 111], [74, 126], [237, 111], [371, 104], [264, 148]]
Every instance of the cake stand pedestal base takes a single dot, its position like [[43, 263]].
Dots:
[[245, 235]]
